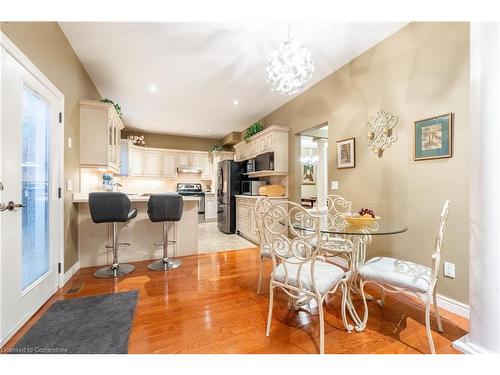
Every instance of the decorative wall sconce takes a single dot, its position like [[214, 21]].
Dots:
[[381, 134]]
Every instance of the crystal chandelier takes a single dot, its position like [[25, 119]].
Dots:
[[290, 66]]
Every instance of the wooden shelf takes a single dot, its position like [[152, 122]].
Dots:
[[266, 173]]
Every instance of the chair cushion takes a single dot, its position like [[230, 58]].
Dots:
[[397, 273], [326, 275]]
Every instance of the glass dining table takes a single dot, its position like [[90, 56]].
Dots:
[[336, 228]]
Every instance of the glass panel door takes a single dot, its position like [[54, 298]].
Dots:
[[35, 183]]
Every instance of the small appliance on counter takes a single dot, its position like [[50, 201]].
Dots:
[[251, 187]]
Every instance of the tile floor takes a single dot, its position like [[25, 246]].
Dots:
[[211, 240]]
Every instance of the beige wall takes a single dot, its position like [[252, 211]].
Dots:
[[174, 141], [418, 72], [46, 46]]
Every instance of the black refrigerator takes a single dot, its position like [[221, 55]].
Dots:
[[229, 175]]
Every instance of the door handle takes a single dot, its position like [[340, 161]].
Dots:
[[10, 206]]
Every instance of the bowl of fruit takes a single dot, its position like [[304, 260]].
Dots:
[[365, 217]]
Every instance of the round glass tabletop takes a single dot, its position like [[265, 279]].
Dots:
[[382, 226]]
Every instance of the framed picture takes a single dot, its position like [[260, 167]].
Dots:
[[308, 176], [433, 138], [346, 153]]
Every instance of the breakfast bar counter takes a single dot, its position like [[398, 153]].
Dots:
[[140, 232]]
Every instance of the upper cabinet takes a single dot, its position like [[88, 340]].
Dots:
[[191, 159], [271, 139], [169, 166], [100, 133], [184, 159], [153, 163], [157, 162], [206, 167]]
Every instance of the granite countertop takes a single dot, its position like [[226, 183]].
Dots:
[[134, 197]]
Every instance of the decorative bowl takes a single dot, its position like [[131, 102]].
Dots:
[[360, 221]]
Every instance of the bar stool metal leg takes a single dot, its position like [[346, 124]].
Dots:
[[116, 269], [166, 263]]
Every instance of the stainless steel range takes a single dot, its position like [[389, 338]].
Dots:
[[194, 190]]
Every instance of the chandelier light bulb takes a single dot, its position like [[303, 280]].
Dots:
[[289, 67]]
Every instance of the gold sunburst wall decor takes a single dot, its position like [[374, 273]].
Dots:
[[381, 133]]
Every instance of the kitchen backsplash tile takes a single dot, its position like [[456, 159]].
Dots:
[[91, 180]]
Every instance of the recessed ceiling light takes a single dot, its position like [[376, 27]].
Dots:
[[152, 88], [235, 102], [209, 130]]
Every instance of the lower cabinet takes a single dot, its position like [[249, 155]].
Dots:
[[210, 207], [245, 219]]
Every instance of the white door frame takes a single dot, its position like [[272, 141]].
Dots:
[[19, 56]]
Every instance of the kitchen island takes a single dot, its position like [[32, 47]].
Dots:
[[140, 232]]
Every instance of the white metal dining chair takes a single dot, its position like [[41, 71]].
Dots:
[[335, 207], [394, 275], [298, 269], [261, 206]]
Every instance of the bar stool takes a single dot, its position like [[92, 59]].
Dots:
[[112, 208], [165, 208]]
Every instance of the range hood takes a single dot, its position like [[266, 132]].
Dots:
[[189, 170]]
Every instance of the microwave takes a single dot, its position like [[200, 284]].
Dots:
[[251, 187], [264, 162]]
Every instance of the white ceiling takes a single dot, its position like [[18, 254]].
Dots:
[[199, 69]]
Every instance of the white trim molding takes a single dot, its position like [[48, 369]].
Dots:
[[69, 273], [15, 52], [443, 302], [453, 306], [465, 346]]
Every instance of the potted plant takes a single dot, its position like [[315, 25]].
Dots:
[[253, 129], [116, 105], [215, 150]]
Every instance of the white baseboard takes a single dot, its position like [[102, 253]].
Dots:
[[453, 306], [71, 272], [443, 302], [464, 345]]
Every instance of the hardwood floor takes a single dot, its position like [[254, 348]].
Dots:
[[210, 305]]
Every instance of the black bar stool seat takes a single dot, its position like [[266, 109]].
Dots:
[[112, 208], [165, 208]]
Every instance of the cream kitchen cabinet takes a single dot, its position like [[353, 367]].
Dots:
[[271, 139], [169, 166], [197, 160], [153, 163], [132, 159], [136, 161], [245, 219], [210, 207], [246, 225], [100, 133], [191, 160], [206, 167], [184, 159]]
